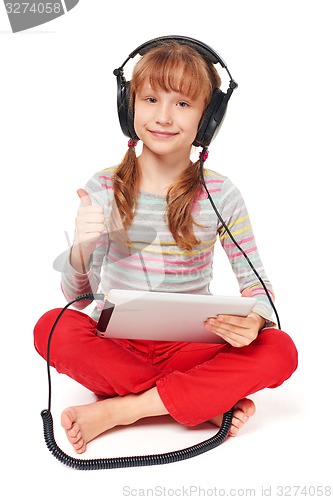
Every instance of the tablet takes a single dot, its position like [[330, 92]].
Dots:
[[179, 317]]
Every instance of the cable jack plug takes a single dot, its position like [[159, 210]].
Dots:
[[91, 296]]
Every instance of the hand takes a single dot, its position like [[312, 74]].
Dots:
[[89, 227], [238, 331]]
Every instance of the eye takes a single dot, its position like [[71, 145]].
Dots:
[[151, 99], [183, 104]]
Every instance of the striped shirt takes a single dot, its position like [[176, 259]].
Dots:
[[153, 261]]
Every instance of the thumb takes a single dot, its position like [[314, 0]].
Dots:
[[247, 292], [84, 197]]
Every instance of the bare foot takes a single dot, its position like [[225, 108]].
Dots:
[[83, 423], [242, 411]]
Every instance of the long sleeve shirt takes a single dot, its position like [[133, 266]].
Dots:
[[152, 260]]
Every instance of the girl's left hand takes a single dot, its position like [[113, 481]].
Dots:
[[236, 330]]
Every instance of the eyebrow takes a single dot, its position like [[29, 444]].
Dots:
[[147, 89]]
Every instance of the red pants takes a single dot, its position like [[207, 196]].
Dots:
[[196, 382]]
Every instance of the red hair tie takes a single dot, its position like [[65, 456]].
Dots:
[[204, 156], [132, 142]]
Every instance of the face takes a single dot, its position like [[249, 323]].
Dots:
[[166, 122]]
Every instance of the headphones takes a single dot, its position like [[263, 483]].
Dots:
[[213, 115]]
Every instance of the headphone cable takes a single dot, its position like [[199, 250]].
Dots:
[[203, 156], [119, 462], [141, 460]]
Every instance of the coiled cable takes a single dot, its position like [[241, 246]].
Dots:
[[134, 461], [120, 462]]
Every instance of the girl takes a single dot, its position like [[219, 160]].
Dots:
[[161, 190]]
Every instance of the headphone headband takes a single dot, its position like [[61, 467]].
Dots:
[[201, 47], [205, 50], [215, 111]]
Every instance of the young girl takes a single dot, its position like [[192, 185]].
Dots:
[[160, 192]]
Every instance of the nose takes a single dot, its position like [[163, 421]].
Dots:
[[163, 114]]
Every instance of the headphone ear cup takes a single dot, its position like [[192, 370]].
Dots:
[[125, 114], [212, 119]]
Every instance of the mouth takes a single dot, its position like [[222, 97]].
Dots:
[[158, 134]]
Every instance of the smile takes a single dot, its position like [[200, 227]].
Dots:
[[162, 135]]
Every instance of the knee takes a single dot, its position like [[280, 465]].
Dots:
[[283, 358], [43, 329]]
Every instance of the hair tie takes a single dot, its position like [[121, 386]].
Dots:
[[132, 142], [203, 155]]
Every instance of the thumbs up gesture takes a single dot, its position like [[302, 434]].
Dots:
[[89, 224]]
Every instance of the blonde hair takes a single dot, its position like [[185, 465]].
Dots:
[[170, 66]]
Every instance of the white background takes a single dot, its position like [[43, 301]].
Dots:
[[59, 125]]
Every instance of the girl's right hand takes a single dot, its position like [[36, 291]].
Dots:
[[89, 224]]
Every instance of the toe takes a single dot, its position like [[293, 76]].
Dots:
[[73, 431], [80, 446], [75, 439], [67, 419], [242, 411], [247, 406], [240, 416], [233, 430]]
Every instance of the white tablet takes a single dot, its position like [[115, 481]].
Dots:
[[164, 316]]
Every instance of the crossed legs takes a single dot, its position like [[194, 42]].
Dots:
[[192, 383]]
